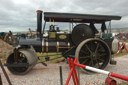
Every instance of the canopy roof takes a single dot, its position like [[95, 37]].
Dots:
[[72, 17]]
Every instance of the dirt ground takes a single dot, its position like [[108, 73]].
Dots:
[[41, 75]]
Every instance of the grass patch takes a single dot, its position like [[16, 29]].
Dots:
[[126, 41], [120, 54]]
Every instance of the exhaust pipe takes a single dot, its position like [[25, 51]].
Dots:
[[39, 22]]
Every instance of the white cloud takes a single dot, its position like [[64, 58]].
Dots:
[[17, 15]]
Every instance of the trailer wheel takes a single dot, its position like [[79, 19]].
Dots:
[[93, 52]]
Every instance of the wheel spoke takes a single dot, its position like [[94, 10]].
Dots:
[[83, 51], [101, 48], [92, 62], [100, 60], [102, 55], [89, 63], [84, 61], [97, 48], [88, 49], [84, 57]]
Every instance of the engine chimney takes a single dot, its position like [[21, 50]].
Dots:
[[39, 22]]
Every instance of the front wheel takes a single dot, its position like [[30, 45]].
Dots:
[[21, 59]]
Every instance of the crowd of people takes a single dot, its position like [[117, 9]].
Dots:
[[122, 36]]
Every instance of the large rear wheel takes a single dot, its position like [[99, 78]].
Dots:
[[93, 52]]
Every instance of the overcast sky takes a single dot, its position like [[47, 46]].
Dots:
[[19, 15]]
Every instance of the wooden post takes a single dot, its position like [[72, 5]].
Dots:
[[5, 73], [1, 80]]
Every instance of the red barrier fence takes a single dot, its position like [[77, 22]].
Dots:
[[121, 47], [74, 76]]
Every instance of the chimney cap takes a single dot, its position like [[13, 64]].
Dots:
[[39, 11]]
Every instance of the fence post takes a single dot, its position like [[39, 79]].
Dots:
[[1, 80], [6, 75], [61, 76]]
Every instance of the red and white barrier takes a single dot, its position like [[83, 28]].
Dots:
[[72, 73], [121, 47]]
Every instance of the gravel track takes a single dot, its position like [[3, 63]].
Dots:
[[41, 75]]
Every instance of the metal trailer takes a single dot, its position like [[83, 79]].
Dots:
[[91, 47]]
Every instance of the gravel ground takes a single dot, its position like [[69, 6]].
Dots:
[[41, 75]]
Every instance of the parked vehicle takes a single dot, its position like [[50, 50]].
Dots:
[[93, 48]]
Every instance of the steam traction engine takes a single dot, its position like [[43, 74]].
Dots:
[[92, 47]]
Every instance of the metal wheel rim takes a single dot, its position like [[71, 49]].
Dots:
[[93, 39]]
